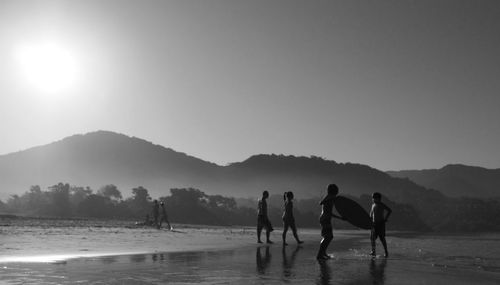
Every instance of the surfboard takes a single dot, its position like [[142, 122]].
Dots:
[[353, 212]]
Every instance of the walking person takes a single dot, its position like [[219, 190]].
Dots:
[[262, 219], [156, 213], [288, 219], [164, 216]]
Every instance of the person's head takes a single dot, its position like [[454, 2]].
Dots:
[[376, 197], [289, 195], [332, 189], [265, 194], [162, 204]]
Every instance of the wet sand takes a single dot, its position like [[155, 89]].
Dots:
[[202, 255]]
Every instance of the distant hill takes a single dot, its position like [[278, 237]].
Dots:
[[99, 158], [457, 180]]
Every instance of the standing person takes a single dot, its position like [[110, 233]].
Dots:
[[164, 216], [325, 220], [379, 220], [288, 219], [262, 219], [156, 213]]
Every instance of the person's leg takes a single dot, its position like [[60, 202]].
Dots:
[[259, 230], [326, 233], [168, 223], [384, 243], [373, 238], [294, 231], [269, 229], [285, 230], [325, 242], [382, 239]]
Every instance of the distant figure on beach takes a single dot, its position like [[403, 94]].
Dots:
[[288, 219], [262, 219], [156, 213], [379, 220], [164, 216], [325, 220]]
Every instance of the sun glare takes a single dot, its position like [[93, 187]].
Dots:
[[48, 67]]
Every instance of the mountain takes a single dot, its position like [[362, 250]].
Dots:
[[99, 158], [457, 180]]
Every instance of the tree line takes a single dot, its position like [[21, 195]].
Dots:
[[184, 205], [193, 206]]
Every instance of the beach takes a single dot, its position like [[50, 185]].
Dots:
[[116, 252]]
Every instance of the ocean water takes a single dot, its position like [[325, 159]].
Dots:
[[148, 256]]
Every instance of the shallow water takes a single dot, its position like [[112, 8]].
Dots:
[[415, 259]]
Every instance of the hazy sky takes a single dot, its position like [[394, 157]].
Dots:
[[392, 84]]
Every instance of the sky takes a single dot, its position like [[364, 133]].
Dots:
[[391, 84]]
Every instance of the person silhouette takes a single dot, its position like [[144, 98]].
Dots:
[[378, 219], [262, 219], [325, 220], [156, 213], [164, 216], [288, 219]]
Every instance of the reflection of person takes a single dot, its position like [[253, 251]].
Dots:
[[263, 263], [288, 219], [164, 216], [325, 274], [288, 263], [156, 212], [325, 220], [262, 219], [377, 271], [379, 220]]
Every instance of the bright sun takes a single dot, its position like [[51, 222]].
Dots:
[[48, 67]]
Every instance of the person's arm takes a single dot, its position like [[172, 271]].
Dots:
[[389, 212]]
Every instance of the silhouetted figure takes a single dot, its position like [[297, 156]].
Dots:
[[262, 219], [164, 216], [325, 220], [263, 262], [379, 220], [156, 213], [288, 219]]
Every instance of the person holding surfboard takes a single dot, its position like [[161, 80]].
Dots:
[[325, 220], [378, 219], [288, 219], [262, 219]]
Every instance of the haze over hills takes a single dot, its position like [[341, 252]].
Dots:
[[103, 157], [456, 180], [100, 158]]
